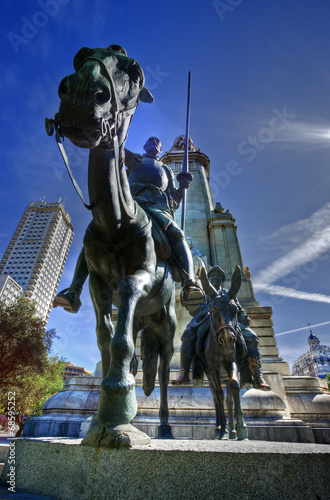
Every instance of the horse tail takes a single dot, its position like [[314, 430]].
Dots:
[[149, 353], [198, 371]]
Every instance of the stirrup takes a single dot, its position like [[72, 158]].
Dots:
[[192, 296], [68, 299]]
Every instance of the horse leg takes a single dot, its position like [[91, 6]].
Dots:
[[149, 353], [230, 408], [241, 428], [102, 301], [134, 365], [118, 403], [218, 398], [166, 335]]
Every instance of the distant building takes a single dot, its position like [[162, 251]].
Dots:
[[72, 370], [315, 362], [10, 291], [37, 252]]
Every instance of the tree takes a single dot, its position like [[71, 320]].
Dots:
[[33, 390], [328, 380], [28, 371], [24, 343]]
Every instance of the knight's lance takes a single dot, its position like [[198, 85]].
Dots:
[[185, 165]]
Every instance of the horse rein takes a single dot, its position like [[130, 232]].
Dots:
[[106, 130], [52, 125]]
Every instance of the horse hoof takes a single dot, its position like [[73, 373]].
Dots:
[[242, 433], [232, 435], [165, 432], [118, 436], [219, 434]]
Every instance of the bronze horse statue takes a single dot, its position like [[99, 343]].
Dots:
[[216, 356], [97, 104]]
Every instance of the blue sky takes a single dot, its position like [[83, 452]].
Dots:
[[260, 92]]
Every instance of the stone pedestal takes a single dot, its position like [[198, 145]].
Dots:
[[192, 414], [172, 469]]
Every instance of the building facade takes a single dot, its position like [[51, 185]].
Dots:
[[10, 291], [72, 370], [37, 252], [315, 362]]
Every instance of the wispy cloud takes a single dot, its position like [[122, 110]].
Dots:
[[317, 221], [311, 237], [308, 134], [315, 246], [292, 293], [303, 328]]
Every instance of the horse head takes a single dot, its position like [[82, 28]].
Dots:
[[223, 312], [98, 100]]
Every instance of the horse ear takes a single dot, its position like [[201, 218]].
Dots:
[[208, 288], [235, 283], [146, 96], [117, 48]]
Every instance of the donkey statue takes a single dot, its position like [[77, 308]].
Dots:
[[216, 356]]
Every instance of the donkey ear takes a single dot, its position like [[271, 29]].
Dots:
[[208, 288], [235, 283], [146, 96]]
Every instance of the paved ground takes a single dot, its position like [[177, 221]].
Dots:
[[5, 438], [8, 495]]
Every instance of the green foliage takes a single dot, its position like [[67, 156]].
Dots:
[[328, 380], [27, 368], [33, 390], [24, 343]]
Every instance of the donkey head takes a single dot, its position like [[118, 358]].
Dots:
[[223, 311], [100, 97]]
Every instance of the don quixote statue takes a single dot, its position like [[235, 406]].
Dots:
[[132, 248]]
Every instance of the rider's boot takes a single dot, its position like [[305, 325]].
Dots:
[[69, 298], [255, 368], [186, 357], [192, 294], [183, 377]]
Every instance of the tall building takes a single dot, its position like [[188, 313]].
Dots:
[[10, 291], [37, 252], [315, 362]]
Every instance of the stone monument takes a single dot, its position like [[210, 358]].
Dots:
[[297, 408]]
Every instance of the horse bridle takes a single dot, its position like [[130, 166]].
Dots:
[[217, 333], [107, 130]]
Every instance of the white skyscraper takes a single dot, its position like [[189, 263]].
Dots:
[[9, 290], [37, 252]]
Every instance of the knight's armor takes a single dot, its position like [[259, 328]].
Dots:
[[160, 190]]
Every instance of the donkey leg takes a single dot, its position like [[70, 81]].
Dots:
[[230, 411], [241, 428], [218, 398]]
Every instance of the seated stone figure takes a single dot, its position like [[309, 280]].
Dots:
[[201, 323], [152, 186]]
